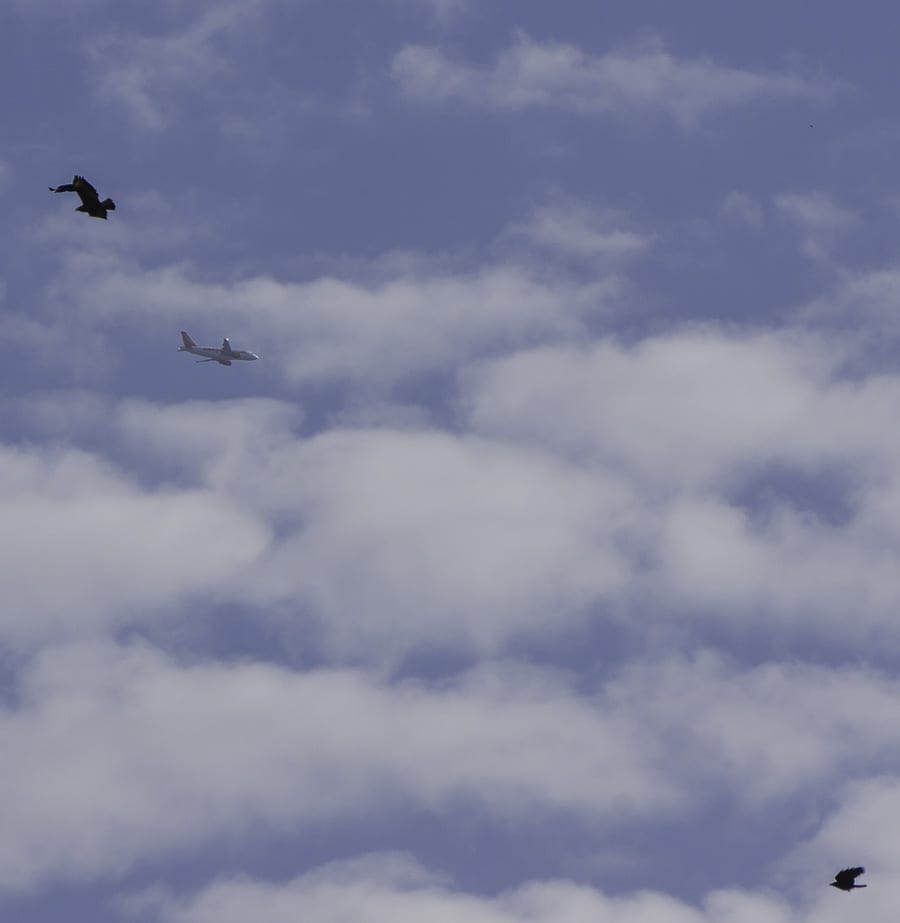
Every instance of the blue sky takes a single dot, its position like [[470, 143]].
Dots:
[[545, 566]]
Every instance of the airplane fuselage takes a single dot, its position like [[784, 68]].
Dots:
[[213, 352]]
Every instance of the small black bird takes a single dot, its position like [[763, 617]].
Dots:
[[846, 879], [90, 201]]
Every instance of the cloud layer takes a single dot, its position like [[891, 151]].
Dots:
[[170, 756]]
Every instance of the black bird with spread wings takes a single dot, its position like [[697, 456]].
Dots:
[[90, 201], [846, 879]]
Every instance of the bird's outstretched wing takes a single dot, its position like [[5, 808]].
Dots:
[[66, 187]]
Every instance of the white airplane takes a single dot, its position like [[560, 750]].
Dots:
[[224, 355]]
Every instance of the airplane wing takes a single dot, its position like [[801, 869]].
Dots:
[[224, 361], [226, 347]]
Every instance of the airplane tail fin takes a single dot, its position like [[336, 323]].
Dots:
[[108, 204], [188, 342]]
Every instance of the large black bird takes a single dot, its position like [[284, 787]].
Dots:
[[846, 879], [90, 201]]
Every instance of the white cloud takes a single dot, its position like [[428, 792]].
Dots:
[[645, 76], [379, 332], [85, 547], [118, 755], [394, 889], [862, 305], [411, 537], [771, 732], [567, 226], [442, 11], [698, 425], [147, 74], [48, 343], [689, 407], [115, 755], [381, 889], [865, 824], [820, 221], [743, 209], [794, 571], [390, 538], [720, 472], [594, 477], [151, 74], [247, 435]]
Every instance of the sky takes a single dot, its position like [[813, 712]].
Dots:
[[545, 567]]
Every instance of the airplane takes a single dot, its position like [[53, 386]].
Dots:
[[223, 355]]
